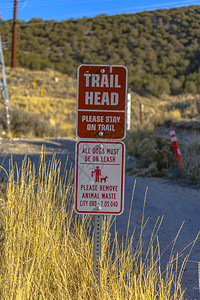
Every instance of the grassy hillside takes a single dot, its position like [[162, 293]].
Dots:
[[52, 96], [43, 103], [160, 48]]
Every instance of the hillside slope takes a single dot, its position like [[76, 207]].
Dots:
[[160, 48], [48, 95]]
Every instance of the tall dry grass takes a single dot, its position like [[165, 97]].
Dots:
[[47, 250], [191, 159], [168, 108], [57, 105]]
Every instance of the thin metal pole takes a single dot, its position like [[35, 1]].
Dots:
[[14, 38], [3, 87], [98, 221], [8, 118], [128, 125]]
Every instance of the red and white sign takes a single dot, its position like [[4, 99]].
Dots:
[[99, 174], [101, 102]]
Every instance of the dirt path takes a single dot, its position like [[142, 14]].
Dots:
[[178, 204]]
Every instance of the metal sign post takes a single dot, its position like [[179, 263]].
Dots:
[[128, 123], [99, 187], [98, 221], [100, 154]]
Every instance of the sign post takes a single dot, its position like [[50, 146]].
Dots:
[[128, 126], [99, 188], [98, 221], [100, 154]]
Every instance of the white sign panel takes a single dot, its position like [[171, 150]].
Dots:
[[99, 187]]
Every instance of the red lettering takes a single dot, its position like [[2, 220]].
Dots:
[[87, 158]]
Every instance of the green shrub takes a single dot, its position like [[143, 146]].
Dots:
[[154, 155], [25, 124], [190, 87], [161, 54]]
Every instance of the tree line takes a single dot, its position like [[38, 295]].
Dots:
[[161, 48]]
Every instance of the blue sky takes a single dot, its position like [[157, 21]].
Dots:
[[66, 9]]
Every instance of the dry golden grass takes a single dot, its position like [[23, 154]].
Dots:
[[57, 106], [157, 111], [58, 103], [47, 251], [191, 160]]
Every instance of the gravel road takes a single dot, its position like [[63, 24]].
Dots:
[[178, 203]]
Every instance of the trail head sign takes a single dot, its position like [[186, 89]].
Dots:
[[99, 187], [101, 102]]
